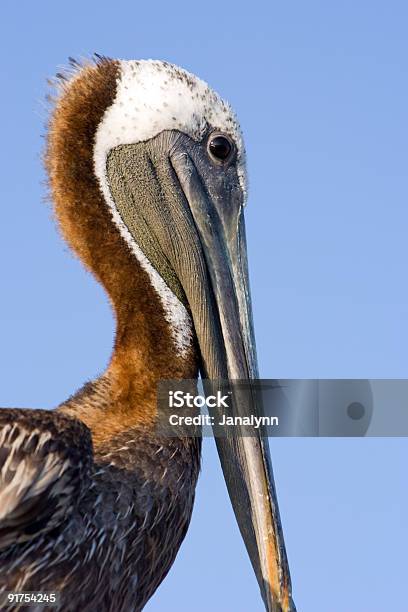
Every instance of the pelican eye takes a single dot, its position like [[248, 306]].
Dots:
[[220, 147]]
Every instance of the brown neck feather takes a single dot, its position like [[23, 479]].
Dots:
[[144, 351]]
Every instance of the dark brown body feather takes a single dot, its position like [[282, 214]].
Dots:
[[105, 528]]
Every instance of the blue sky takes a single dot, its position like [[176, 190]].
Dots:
[[322, 95]]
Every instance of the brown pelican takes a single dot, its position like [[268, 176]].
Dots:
[[146, 169]]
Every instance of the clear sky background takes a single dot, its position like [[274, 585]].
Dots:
[[321, 91]]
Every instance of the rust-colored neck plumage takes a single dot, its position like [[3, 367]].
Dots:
[[144, 351]]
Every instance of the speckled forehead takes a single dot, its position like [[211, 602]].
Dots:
[[153, 96]]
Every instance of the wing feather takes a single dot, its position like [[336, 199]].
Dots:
[[45, 462]]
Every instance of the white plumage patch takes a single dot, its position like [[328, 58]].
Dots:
[[153, 96]]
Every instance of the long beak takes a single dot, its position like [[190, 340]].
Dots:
[[229, 353]]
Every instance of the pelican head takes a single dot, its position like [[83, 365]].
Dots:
[[169, 159]]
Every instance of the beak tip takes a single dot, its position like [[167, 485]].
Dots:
[[278, 607], [278, 603]]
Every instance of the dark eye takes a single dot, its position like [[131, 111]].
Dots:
[[220, 147]]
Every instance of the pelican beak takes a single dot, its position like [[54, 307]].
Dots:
[[230, 352], [172, 195]]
